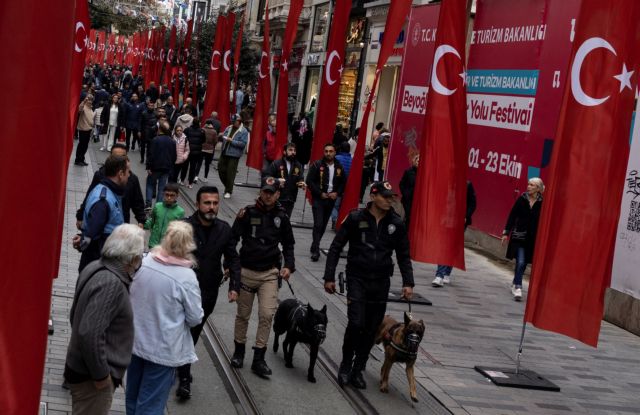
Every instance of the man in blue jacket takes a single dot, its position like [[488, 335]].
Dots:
[[133, 120], [234, 139], [160, 160]]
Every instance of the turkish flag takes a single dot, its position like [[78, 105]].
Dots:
[[100, 48], [168, 60], [80, 44], [576, 233], [111, 47], [327, 110], [184, 58], [88, 58], [236, 60], [27, 281], [160, 55], [213, 80], [439, 201], [396, 17], [120, 50], [263, 100], [282, 121], [225, 73]]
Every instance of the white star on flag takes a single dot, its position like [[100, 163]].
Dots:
[[340, 70], [285, 65], [463, 75], [624, 78]]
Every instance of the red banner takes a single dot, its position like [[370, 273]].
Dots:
[[25, 310], [100, 48], [396, 18], [236, 60], [439, 201], [91, 45], [327, 111], [213, 80], [80, 45], [168, 61], [411, 101], [111, 48], [160, 56], [184, 58], [263, 100], [225, 73], [574, 248], [282, 121], [120, 50]]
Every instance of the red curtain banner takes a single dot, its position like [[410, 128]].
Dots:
[[396, 17], [184, 58], [263, 99], [89, 56], [282, 121], [236, 60], [194, 94], [159, 55], [327, 110], [100, 49], [225, 73], [439, 199], [111, 48], [213, 80], [168, 61], [576, 236], [25, 310]]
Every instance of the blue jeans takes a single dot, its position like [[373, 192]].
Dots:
[[336, 209], [443, 271], [148, 387], [158, 179], [521, 265]]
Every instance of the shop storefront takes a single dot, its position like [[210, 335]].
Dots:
[[314, 59], [350, 75]]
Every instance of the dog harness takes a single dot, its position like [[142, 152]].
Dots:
[[404, 353], [301, 310]]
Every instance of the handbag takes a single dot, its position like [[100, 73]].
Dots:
[[121, 137]]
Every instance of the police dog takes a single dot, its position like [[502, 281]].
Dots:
[[302, 324], [401, 342]]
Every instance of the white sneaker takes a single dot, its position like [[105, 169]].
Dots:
[[101, 148], [227, 195], [446, 279], [517, 293], [180, 183], [437, 282], [204, 180], [195, 180]]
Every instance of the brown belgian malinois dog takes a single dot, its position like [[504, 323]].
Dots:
[[401, 342]]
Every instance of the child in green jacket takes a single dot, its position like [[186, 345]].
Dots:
[[163, 213]]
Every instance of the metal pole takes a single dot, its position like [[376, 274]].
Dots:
[[304, 207], [519, 355]]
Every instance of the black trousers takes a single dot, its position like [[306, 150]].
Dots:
[[208, 158], [321, 209], [131, 132], [208, 304], [179, 171], [288, 206], [144, 143], [367, 303], [83, 145], [195, 162]]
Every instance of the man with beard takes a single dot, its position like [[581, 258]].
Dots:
[[213, 238], [290, 173], [326, 180], [373, 233]]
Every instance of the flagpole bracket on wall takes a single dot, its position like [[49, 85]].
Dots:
[[513, 378]]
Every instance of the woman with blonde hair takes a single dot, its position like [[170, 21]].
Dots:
[[165, 298], [521, 229]]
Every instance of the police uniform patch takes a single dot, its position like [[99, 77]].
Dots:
[[256, 221], [277, 221], [363, 225], [391, 229]]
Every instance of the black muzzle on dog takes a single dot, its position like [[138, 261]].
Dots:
[[412, 341], [321, 332]]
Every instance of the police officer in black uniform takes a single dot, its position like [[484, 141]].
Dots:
[[262, 227], [326, 180], [373, 233], [290, 174], [213, 238]]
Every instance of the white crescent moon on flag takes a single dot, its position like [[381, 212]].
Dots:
[[225, 61], [435, 82], [213, 55], [327, 74], [169, 55], [264, 55], [576, 87]]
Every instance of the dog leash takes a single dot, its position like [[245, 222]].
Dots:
[[409, 303], [291, 288]]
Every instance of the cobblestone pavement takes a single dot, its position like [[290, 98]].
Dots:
[[473, 321]]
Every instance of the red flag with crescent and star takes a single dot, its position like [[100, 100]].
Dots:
[[213, 80], [184, 58], [263, 100], [282, 120], [236, 59], [111, 48], [80, 46], [169, 58], [576, 234], [440, 198], [327, 110], [225, 74], [396, 18], [27, 281]]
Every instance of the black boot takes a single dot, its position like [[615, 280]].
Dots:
[[259, 366], [184, 388], [357, 380], [238, 355], [344, 373]]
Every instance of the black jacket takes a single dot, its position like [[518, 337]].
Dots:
[[161, 155], [370, 247], [523, 219], [210, 248], [261, 231], [318, 178], [407, 185], [132, 199], [152, 93], [149, 124], [104, 117], [278, 170], [196, 137]]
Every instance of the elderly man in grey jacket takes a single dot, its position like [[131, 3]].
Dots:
[[102, 323]]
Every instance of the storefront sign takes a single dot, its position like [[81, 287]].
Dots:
[[518, 63], [409, 110]]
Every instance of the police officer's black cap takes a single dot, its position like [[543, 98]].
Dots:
[[270, 184], [382, 188]]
